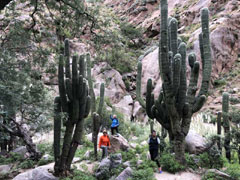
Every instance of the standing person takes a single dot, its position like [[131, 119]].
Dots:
[[104, 143], [154, 142], [115, 124]]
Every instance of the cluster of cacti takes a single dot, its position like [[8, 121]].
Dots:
[[96, 115], [176, 102], [74, 102], [223, 120]]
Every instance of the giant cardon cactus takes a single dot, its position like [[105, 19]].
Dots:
[[177, 102], [226, 124], [74, 102]]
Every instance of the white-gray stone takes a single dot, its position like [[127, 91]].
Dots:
[[4, 169], [38, 173], [22, 150], [125, 174]]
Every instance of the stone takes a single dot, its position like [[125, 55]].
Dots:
[[218, 174], [195, 143], [144, 143], [126, 164], [127, 173], [125, 106], [22, 150], [139, 162], [87, 154], [133, 145], [4, 169], [46, 157], [102, 172], [39, 173], [116, 160], [118, 143]]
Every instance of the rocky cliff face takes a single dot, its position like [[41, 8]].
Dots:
[[224, 26]]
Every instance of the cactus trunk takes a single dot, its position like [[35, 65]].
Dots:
[[219, 129], [176, 102], [75, 103]]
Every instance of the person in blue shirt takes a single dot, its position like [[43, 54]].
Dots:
[[115, 124]]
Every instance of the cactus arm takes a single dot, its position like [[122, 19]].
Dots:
[[206, 74], [61, 85], [101, 102], [149, 99], [69, 89], [138, 88], [90, 83], [75, 81], [174, 37], [88, 106], [82, 66], [67, 58], [176, 72], [181, 97], [201, 49], [199, 103], [57, 132]]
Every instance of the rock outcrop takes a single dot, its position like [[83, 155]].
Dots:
[[195, 143]]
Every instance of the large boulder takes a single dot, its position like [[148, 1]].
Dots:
[[118, 143], [115, 88], [116, 160], [4, 169], [195, 143], [125, 174], [39, 173], [103, 169], [125, 106], [22, 150]]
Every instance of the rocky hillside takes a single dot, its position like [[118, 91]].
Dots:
[[225, 37]]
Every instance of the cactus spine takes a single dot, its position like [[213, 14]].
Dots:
[[96, 114], [74, 101], [176, 102], [226, 125]]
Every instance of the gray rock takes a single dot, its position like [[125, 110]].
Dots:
[[139, 162], [102, 172], [116, 160], [4, 169], [126, 164], [87, 154], [125, 174], [195, 143], [22, 150], [36, 174], [118, 143], [218, 174]]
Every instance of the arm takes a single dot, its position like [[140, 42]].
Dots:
[[111, 117], [158, 140], [100, 142], [148, 141]]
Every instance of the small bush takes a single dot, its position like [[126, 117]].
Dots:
[[143, 174], [220, 82], [211, 176], [27, 164], [233, 170], [190, 162], [44, 161], [169, 163], [46, 148], [79, 175]]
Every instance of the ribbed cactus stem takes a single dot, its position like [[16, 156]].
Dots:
[[101, 102], [226, 125], [219, 129], [67, 58], [176, 72], [174, 36], [138, 88], [206, 73], [57, 132]]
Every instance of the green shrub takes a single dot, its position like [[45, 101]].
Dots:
[[190, 161], [45, 148], [128, 155], [219, 82], [211, 176], [169, 163], [233, 170], [27, 164], [211, 159], [79, 175], [44, 161], [143, 174]]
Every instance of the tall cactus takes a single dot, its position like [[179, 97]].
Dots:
[[176, 102], [226, 125], [219, 129], [74, 101], [96, 114]]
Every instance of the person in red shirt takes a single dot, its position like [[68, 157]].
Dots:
[[104, 143]]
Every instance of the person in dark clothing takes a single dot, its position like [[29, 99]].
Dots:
[[154, 142], [115, 124]]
